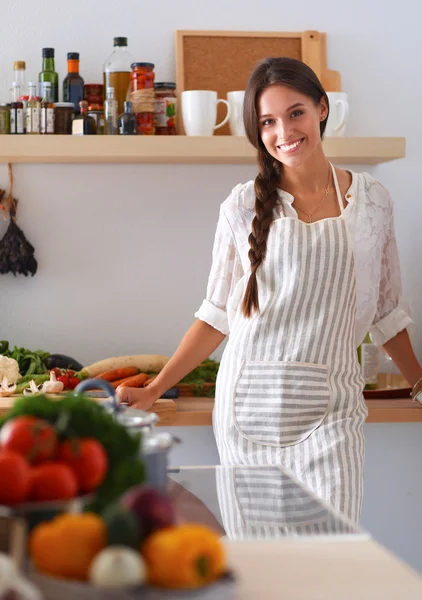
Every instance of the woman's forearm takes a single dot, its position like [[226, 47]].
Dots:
[[197, 344], [401, 351]]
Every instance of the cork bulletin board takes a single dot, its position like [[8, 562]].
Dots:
[[222, 60]]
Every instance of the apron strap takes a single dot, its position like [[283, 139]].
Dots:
[[339, 198]]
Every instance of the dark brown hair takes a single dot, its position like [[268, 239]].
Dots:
[[270, 71]]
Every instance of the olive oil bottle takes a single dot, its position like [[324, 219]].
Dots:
[[368, 357]]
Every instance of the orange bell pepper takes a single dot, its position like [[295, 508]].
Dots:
[[185, 556]]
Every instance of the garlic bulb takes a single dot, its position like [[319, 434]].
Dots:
[[117, 567]]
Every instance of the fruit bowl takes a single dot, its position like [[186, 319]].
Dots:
[[53, 588], [36, 512], [20, 519]]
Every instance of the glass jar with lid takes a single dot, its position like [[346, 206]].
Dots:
[[142, 96], [165, 108], [63, 117]]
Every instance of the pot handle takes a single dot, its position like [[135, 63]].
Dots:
[[102, 384]]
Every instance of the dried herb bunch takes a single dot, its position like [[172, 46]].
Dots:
[[16, 253]]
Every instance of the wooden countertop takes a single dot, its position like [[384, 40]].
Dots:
[[186, 411], [198, 411]]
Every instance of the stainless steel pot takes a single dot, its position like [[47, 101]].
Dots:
[[155, 451], [155, 445], [131, 418]]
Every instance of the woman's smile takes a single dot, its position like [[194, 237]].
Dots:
[[290, 147]]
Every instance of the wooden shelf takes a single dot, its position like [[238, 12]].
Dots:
[[178, 149]]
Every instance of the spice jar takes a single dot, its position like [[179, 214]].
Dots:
[[142, 96], [96, 111], [4, 119], [165, 108], [93, 93], [63, 117]]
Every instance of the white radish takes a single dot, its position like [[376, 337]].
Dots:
[[146, 363]]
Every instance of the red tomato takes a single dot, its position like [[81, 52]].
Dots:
[[34, 438], [53, 481], [15, 478], [87, 459], [73, 382], [65, 380]]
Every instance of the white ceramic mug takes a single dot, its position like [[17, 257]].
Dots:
[[339, 114], [199, 112], [235, 100]]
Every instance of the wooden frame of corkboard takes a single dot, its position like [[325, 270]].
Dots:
[[222, 60]]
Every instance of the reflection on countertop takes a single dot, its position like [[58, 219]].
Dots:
[[259, 502]]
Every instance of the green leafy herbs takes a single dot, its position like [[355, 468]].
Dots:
[[205, 373], [79, 416], [130, 472], [31, 362]]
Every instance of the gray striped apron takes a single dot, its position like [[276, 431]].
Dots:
[[265, 503], [289, 387]]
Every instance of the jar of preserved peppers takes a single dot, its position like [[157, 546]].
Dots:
[[165, 108], [142, 96], [93, 93]]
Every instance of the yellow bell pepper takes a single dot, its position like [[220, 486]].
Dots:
[[66, 546], [185, 556]]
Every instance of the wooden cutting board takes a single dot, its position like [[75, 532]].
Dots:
[[165, 409]]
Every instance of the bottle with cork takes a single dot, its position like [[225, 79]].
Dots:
[[73, 84]]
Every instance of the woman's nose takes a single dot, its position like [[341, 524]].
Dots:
[[284, 130]]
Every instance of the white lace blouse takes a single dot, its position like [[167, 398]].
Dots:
[[369, 215]]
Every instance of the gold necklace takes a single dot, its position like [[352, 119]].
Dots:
[[322, 200]]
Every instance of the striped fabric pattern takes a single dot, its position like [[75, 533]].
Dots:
[[268, 503], [269, 401], [307, 296]]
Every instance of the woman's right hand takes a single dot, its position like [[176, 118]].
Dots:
[[141, 398]]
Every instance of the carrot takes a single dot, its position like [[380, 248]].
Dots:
[[116, 374], [116, 384], [150, 380], [136, 381]]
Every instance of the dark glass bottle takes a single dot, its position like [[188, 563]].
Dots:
[[73, 84], [48, 73], [83, 124], [127, 121]]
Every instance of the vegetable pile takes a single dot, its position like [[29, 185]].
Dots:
[[134, 541], [56, 450], [29, 361]]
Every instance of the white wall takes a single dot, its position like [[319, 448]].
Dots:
[[124, 251]]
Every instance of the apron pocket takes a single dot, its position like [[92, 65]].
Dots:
[[280, 403]]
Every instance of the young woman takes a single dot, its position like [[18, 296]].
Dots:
[[305, 263]]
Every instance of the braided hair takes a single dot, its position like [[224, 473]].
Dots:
[[270, 71]]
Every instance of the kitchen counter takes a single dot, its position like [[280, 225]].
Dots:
[[282, 541], [187, 411], [198, 411]]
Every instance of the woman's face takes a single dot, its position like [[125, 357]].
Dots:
[[289, 124]]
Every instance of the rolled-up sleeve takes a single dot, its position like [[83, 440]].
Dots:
[[226, 271], [392, 314]]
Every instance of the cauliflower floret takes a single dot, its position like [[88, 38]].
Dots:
[[9, 369]]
